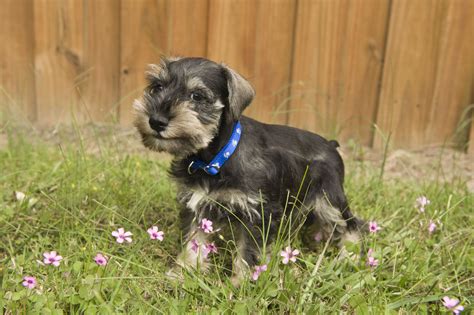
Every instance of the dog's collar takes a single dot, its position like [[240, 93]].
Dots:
[[224, 154]]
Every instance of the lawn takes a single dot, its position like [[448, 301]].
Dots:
[[76, 197]]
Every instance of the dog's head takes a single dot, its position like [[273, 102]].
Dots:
[[186, 101]]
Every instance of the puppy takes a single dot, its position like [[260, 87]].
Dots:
[[233, 170]]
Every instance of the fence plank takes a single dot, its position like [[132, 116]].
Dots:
[[153, 28], [17, 89], [101, 77], [337, 64], [144, 37], [427, 81], [255, 39], [273, 55], [188, 27], [58, 59], [231, 37]]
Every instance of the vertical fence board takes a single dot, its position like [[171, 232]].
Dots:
[[188, 27], [144, 37], [427, 81], [337, 64], [231, 37], [17, 89], [255, 39], [58, 58], [273, 54], [100, 87]]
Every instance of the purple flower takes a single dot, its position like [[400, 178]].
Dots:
[[194, 245], [431, 227], [121, 236], [52, 258], [289, 254], [29, 282], [258, 270], [100, 259], [371, 261], [452, 304], [318, 236], [206, 225], [421, 202], [155, 234], [209, 248], [373, 227]]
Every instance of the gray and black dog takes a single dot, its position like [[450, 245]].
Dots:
[[189, 110]]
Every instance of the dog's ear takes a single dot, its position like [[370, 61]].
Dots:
[[241, 93], [154, 70]]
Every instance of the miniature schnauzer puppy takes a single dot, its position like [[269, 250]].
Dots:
[[192, 109]]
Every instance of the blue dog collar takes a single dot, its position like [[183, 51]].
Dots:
[[224, 154]]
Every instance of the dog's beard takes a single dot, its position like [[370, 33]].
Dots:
[[184, 135]]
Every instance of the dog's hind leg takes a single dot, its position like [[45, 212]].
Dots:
[[331, 216]]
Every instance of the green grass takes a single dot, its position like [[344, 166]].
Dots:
[[78, 199]]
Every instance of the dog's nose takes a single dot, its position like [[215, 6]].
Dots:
[[158, 123]]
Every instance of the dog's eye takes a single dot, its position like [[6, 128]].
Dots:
[[197, 97], [156, 88]]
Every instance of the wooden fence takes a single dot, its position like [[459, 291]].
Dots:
[[339, 67]]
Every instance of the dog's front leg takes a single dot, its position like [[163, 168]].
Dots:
[[245, 258], [193, 254]]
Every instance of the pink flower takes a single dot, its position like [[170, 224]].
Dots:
[[194, 246], [452, 304], [121, 236], [52, 258], [289, 254], [100, 259], [421, 202], [318, 237], [209, 248], [371, 261], [431, 227], [155, 234], [258, 270], [373, 227], [206, 225], [29, 282]]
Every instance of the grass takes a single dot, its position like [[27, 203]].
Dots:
[[76, 199]]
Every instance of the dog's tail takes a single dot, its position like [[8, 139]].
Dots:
[[334, 144]]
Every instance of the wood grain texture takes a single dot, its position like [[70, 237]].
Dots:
[[273, 60], [17, 88], [428, 75], [188, 27], [58, 59], [231, 37], [150, 29], [144, 37], [255, 39], [101, 78], [337, 64]]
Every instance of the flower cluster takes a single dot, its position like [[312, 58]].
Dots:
[[258, 271], [452, 305], [205, 249], [54, 259], [420, 203]]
